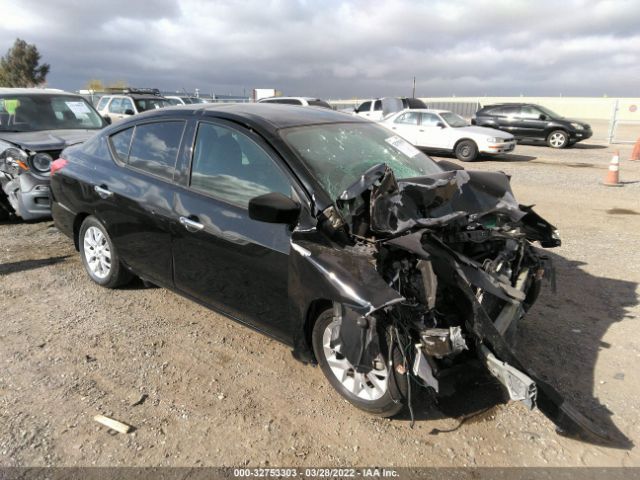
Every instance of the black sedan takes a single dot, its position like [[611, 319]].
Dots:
[[323, 230]]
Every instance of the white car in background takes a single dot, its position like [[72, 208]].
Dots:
[[304, 101], [444, 130], [183, 99]]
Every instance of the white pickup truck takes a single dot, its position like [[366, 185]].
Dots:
[[379, 108]]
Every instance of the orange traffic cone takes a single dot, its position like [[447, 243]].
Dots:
[[635, 154], [613, 175]]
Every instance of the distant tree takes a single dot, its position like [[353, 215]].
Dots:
[[118, 84], [95, 85], [20, 66]]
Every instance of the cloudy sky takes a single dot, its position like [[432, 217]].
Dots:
[[337, 49]]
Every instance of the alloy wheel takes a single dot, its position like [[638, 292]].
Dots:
[[97, 252], [366, 386], [557, 139]]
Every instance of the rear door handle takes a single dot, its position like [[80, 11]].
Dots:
[[191, 225], [103, 192]]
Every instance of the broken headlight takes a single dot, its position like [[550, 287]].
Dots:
[[12, 158], [41, 162]]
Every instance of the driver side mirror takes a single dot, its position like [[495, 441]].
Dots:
[[107, 119], [128, 111], [542, 116], [440, 125], [274, 207]]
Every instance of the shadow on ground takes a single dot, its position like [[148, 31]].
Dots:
[[560, 340], [577, 146], [24, 265], [502, 158]]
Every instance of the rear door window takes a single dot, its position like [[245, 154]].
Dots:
[[377, 105], [408, 118], [154, 148]]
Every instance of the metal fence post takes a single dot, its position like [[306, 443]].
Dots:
[[612, 122]]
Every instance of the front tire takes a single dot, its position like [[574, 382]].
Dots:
[[466, 151], [380, 392], [99, 256], [558, 139]]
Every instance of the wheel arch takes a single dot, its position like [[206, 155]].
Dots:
[[548, 131], [304, 350], [455, 145], [77, 223]]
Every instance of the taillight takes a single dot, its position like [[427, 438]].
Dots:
[[58, 164]]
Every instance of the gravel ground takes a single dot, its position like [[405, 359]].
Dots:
[[202, 390]]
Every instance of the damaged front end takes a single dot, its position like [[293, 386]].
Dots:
[[439, 269]]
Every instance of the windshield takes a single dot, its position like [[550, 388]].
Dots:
[[454, 120], [197, 100], [144, 104], [174, 101], [30, 113], [339, 153], [548, 112]]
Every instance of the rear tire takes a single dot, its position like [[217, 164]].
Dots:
[[558, 139], [99, 256], [466, 151], [380, 392]]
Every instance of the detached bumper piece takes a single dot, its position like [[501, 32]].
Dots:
[[520, 386]]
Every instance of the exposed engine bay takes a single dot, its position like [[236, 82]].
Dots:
[[435, 274]]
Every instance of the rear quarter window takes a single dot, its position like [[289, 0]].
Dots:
[[121, 142]]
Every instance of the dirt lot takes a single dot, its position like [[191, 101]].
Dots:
[[202, 390]]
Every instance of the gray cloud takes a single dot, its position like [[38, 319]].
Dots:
[[337, 49]]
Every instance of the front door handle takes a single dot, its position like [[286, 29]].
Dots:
[[421, 131], [191, 225], [103, 192]]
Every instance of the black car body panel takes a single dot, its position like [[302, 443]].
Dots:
[[529, 121], [445, 260]]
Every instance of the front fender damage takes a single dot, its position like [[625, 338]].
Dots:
[[446, 264]]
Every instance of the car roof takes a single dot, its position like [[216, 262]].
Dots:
[[289, 98], [509, 104], [133, 95], [425, 110], [34, 91], [269, 116]]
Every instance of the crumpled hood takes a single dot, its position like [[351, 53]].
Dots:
[[438, 200], [43, 140]]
